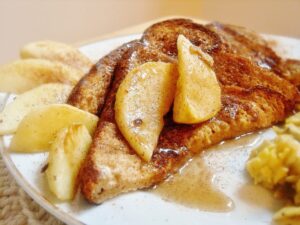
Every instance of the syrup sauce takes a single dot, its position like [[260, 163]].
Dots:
[[194, 185]]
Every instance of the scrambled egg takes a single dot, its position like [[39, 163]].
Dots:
[[276, 163]]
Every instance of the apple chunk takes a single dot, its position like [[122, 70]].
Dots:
[[23, 75], [38, 128], [56, 52], [45, 94], [198, 93], [143, 98], [66, 155]]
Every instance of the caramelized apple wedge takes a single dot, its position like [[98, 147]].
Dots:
[[198, 93], [66, 155], [38, 128], [143, 98]]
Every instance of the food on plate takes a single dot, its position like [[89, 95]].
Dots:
[[198, 93], [23, 75], [252, 98], [89, 93], [250, 90], [39, 127], [275, 162], [143, 98], [66, 155], [275, 165], [246, 43], [45, 94], [56, 52]]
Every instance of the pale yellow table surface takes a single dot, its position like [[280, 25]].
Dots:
[[72, 21]]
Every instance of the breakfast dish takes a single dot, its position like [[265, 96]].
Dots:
[[252, 98], [89, 94], [250, 87]]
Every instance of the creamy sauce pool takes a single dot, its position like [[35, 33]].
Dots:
[[193, 186]]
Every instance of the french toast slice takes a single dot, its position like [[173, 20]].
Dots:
[[244, 42], [89, 93], [162, 36], [252, 98]]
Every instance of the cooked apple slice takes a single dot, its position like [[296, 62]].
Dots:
[[43, 95], [56, 52], [66, 155], [23, 75], [198, 93], [143, 98], [38, 128]]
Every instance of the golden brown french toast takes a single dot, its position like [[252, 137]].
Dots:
[[252, 98], [89, 94], [244, 42], [162, 36]]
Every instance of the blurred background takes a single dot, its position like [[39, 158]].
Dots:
[[73, 21]]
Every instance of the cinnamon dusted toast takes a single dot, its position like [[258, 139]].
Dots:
[[244, 42], [252, 98], [89, 94]]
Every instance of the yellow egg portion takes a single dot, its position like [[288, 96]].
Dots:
[[276, 164]]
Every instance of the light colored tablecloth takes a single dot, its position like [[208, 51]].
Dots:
[[16, 206]]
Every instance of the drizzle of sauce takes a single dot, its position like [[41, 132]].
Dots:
[[193, 187]]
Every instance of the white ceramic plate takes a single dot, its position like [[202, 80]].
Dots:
[[253, 205]]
